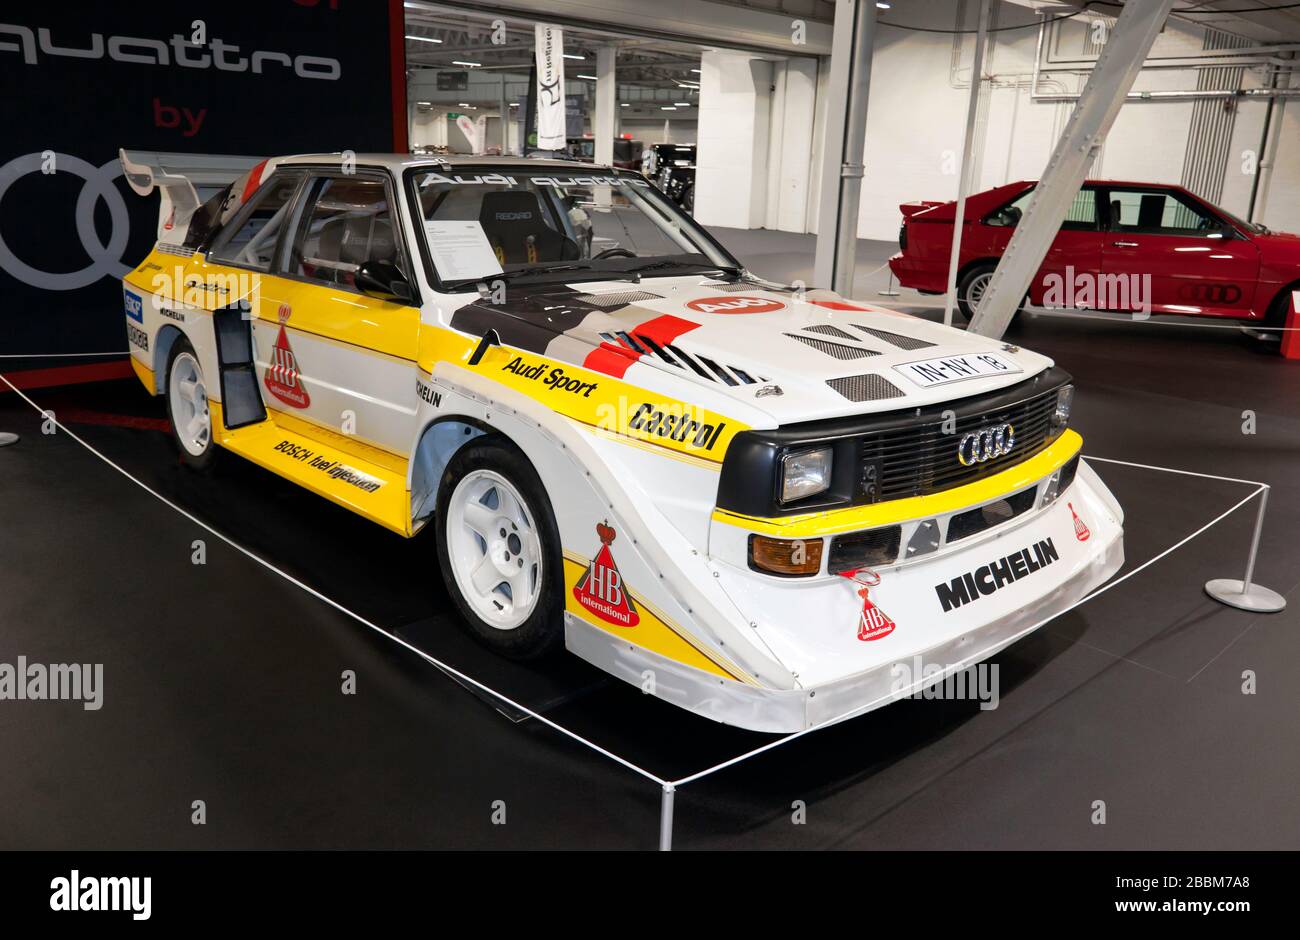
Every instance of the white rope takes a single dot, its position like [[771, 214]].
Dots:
[[114, 352], [339, 607]]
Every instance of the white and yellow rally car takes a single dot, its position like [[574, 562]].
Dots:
[[752, 501]]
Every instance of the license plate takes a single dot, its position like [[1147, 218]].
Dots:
[[930, 372]]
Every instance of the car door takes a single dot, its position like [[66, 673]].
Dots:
[[330, 354], [1165, 252], [1075, 251]]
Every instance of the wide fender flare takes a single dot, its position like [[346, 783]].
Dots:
[[681, 578]]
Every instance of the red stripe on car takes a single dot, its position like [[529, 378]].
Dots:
[[839, 305], [610, 359], [664, 329]]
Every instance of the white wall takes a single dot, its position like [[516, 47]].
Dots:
[[790, 144], [731, 165], [917, 113]]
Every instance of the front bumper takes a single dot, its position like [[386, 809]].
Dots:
[[844, 675]]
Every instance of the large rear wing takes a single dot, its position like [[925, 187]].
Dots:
[[188, 181]]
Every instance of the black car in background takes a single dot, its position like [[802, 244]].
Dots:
[[672, 168]]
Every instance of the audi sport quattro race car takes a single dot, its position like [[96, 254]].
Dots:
[[755, 502]]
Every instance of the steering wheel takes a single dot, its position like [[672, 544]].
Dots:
[[615, 252]]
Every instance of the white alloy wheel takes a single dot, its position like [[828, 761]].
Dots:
[[976, 290], [494, 549], [188, 398]]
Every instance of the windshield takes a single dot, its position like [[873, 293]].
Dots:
[[523, 224]]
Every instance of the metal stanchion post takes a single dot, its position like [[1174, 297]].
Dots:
[[666, 819], [7, 438], [889, 291], [1245, 594]]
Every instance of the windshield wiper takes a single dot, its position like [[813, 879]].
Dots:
[[668, 263]]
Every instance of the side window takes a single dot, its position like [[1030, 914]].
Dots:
[[1157, 213], [1081, 216], [250, 238], [347, 223]]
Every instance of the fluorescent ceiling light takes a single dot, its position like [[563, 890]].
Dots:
[[472, 65], [570, 55], [697, 71], [667, 108], [590, 78], [681, 104], [424, 39], [881, 6], [624, 104]]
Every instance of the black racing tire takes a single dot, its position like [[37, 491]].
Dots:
[[1275, 317], [542, 631], [200, 458]]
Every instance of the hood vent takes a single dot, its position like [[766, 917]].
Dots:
[[838, 350], [740, 286], [826, 329], [895, 339], [869, 387], [618, 298], [674, 355]]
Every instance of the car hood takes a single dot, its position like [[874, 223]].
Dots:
[[795, 357]]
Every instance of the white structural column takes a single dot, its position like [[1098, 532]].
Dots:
[[733, 130], [603, 123], [846, 135], [967, 164], [790, 144], [1112, 77]]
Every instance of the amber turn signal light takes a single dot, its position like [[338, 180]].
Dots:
[[791, 558]]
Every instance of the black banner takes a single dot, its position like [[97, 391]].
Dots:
[[81, 79]]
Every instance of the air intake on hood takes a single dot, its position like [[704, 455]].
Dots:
[[838, 350], [618, 298], [675, 356], [740, 286], [902, 342], [869, 387], [826, 329]]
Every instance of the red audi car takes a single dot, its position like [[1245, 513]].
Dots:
[[1125, 247]]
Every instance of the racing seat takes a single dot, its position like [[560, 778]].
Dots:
[[347, 243], [515, 225]]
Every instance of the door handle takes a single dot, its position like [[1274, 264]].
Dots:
[[1124, 244]]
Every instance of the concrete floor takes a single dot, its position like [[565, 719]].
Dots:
[[223, 680]]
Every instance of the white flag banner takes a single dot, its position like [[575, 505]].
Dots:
[[470, 131], [550, 88]]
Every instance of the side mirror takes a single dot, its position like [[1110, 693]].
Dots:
[[384, 280]]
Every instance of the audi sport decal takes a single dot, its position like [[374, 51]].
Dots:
[[600, 589], [282, 377], [1081, 531], [987, 579], [734, 304], [552, 377], [873, 623]]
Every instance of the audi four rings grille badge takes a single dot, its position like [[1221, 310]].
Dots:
[[985, 444]]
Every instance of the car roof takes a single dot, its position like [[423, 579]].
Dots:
[[400, 161]]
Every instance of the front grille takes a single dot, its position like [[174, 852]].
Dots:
[[975, 521], [914, 461]]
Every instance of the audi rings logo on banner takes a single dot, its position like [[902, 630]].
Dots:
[[105, 259], [979, 446]]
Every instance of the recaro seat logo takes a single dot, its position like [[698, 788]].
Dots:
[[734, 305]]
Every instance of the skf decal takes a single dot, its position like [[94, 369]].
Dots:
[[600, 589], [552, 377], [873, 623], [676, 427], [282, 378], [134, 306], [1081, 531], [735, 304], [995, 575]]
